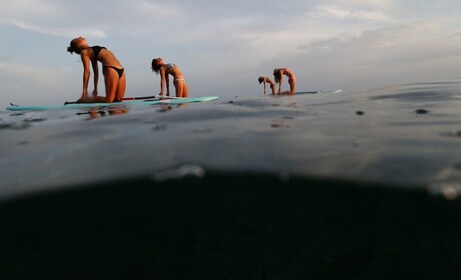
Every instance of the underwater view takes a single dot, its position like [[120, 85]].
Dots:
[[333, 185]]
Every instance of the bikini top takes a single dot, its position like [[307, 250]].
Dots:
[[97, 50], [170, 66]]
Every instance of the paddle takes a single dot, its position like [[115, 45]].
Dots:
[[141, 97]]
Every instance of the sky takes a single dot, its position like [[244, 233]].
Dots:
[[222, 47]]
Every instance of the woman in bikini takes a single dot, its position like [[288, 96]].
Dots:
[[265, 80], [114, 74], [278, 77], [158, 66]]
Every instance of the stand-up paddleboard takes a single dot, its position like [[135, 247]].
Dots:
[[125, 103], [309, 92], [320, 92]]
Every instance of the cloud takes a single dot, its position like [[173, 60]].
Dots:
[[395, 54], [379, 5], [60, 32], [27, 9], [338, 12], [156, 10], [41, 76], [48, 17], [28, 85]]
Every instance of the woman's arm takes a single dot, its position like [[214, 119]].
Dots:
[[86, 75], [96, 76], [273, 88], [162, 80], [272, 85], [167, 79]]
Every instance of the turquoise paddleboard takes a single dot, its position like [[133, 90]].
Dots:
[[126, 103], [309, 92], [320, 91]]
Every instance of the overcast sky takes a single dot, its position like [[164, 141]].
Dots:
[[222, 47]]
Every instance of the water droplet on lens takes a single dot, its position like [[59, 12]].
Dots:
[[422, 111]]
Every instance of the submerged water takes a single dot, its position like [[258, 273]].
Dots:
[[355, 185]]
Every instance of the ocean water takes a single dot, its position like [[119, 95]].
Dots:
[[407, 136], [350, 185]]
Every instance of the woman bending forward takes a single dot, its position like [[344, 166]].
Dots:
[[159, 67], [114, 74]]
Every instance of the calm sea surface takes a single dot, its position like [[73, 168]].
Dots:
[[350, 185], [408, 136]]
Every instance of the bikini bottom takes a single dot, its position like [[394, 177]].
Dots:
[[119, 71]]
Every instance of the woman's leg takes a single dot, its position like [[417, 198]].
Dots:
[[121, 88], [179, 86], [111, 81], [186, 90], [292, 85]]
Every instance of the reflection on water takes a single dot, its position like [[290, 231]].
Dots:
[[168, 107], [22, 120], [103, 112], [95, 113]]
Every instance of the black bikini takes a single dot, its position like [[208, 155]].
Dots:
[[119, 71], [96, 51]]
